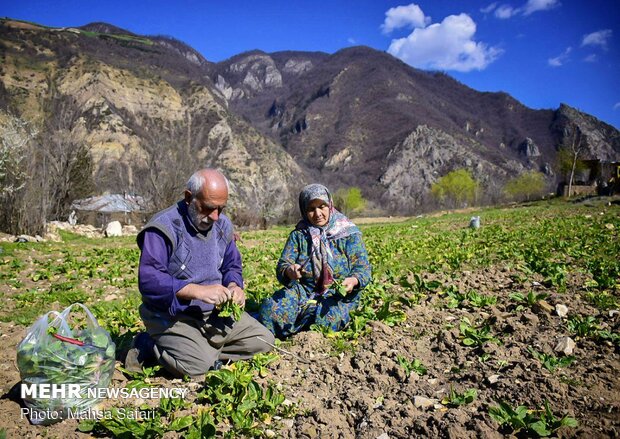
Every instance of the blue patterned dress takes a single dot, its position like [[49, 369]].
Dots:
[[291, 309]]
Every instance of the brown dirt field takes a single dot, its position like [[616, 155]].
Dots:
[[364, 393]]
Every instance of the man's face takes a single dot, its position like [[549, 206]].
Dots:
[[205, 208]]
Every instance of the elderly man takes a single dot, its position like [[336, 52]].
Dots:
[[188, 266]]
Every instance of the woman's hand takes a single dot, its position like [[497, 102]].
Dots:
[[293, 272], [349, 283]]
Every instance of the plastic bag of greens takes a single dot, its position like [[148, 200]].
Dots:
[[64, 352]]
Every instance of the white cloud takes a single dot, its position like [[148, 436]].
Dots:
[[505, 11], [351, 40], [448, 45], [489, 8], [539, 5], [560, 60], [598, 38], [617, 106], [591, 58], [410, 16]]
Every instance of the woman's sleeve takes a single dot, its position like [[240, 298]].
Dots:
[[289, 256], [358, 260]]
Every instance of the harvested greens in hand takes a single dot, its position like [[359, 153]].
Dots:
[[339, 288], [231, 309]]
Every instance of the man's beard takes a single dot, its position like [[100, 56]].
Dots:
[[201, 223]]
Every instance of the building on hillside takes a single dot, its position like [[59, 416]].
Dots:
[[597, 178], [100, 210]]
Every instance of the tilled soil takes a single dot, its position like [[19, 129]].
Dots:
[[362, 391], [366, 393]]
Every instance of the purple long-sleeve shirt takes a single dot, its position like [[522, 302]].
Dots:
[[159, 288]]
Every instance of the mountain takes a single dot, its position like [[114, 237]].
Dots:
[[362, 117], [152, 106]]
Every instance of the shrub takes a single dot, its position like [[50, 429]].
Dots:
[[457, 188], [349, 200], [529, 185]]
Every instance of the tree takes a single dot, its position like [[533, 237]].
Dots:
[[64, 161], [570, 157], [457, 187], [16, 137], [170, 159], [349, 200], [526, 186], [42, 173]]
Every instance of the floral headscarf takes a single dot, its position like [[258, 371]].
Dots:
[[338, 226]]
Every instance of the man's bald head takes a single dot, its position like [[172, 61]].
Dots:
[[206, 194], [209, 179]]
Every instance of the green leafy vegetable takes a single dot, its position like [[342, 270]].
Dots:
[[521, 418], [550, 362], [455, 399], [339, 288], [231, 309], [411, 366], [53, 354]]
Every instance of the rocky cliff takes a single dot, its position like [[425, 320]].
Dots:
[[141, 101]]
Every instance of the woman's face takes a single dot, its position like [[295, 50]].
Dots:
[[318, 213]]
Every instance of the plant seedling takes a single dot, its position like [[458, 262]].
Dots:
[[411, 366], [521, 418], [582, 326], [501, 364], [550, 362], [476, 336], [528, 301], [455, 399], [484, 358]]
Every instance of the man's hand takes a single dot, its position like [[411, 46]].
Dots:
[[211, 294], [293, 272], [238, 295], [214, 294], [349, 283]]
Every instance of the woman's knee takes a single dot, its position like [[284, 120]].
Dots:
[[266, 311], [274, 310], [333, 320]]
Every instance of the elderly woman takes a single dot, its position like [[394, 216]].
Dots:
[[323, 267]]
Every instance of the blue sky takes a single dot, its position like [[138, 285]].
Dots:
[[542, 52]]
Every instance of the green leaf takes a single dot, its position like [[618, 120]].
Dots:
[[339, 288], [567, 421], [87, 425], [540, 428], [181, 423]]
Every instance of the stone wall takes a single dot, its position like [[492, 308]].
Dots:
[[581, 189]]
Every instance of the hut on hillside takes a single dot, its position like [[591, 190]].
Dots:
[[100, 210]]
